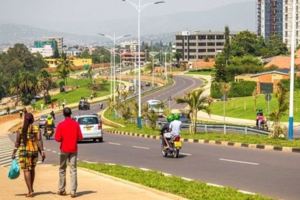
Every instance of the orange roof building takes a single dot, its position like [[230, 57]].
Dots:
[[283, 62]]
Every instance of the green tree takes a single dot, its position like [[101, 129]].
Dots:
[[283, 105], [44, 84], [244, 43], [196, 102], [227, 46], [220, 65], [64, 68]]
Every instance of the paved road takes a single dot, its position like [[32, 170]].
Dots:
[[271, 173], [6, 149], [182, 85]]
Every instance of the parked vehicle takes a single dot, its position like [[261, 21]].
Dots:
[[174, 149], [83, 105], [91, 127]]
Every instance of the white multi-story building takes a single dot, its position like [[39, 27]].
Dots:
[[132, 46], [287, 22], [46, 51], [200, 44]]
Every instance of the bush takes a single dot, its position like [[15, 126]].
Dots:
[[286, 84], [215, 91], [238, 89], [242, 89]]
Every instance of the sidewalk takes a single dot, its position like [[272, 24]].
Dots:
[[90, 187]]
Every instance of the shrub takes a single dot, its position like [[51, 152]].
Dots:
[[238, 89]]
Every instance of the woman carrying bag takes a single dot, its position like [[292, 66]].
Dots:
[[29, 144]]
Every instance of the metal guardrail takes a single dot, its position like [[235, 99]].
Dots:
[[207, 128]]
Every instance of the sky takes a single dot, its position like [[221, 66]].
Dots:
[[43, 13]]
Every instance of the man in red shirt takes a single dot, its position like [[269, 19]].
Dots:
[[68, 134]]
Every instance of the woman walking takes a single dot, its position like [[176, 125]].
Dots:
[[29, 143]]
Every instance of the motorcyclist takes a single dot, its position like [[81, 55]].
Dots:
[[165, 129], [175, 126], [49, 123]]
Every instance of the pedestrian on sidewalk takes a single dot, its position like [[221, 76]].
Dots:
[[68, 133], [29, 143]]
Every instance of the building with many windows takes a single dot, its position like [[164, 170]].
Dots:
[[270, 18], [197, 45]]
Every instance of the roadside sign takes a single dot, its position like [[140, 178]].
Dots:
[[268, 97]]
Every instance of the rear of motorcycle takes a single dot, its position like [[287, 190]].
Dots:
[[48, 132], [175, 146]]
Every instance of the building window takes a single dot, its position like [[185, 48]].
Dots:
[[220, 44], [211, 44], [201, 50], [192, 37], [202, 44], [220, 37], [179, 44], [192, 44], [210, 37], [179, 37], [211, 50], [202, 37]]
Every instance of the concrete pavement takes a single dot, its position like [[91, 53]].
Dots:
[[91, 186]]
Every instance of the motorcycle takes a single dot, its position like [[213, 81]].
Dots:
[[174, 149], [48, 132]]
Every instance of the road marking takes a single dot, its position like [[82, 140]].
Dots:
[[187, 179], [214, 185], [138, 147], [238, 161], [54, 152], [246, 192], [112, 143], [186, 154], [144, 169]]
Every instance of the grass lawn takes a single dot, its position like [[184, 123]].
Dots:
[[243, 107], [194, 190], [75, 95]]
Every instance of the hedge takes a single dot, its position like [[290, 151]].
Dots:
[[238, 89]]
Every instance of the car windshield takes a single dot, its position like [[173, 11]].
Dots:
[[88, 120]]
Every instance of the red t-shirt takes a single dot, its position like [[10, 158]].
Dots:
[[68, 133]]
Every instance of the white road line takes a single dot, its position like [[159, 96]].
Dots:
[[5, 154], [144, 169], [246, 192], [238, 161], [138, 147], [54, 152], [5, 159], [112, 143], [186, 154], [214, 185], [187, 179]]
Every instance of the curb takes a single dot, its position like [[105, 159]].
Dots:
[[162, 193], [215, 142]]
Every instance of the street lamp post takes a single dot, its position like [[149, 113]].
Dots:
[[166, 67], [139, 7], [114, 39], [292, 75], [153, 54]]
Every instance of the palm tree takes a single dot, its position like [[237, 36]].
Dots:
[[64, 68], [44, 84], [196, 102], [283, 106], [90, 73], [24, 85]]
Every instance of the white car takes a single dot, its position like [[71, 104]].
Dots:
[[91, 127]]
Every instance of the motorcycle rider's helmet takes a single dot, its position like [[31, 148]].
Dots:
[[49, 117], [176, 116], [170, 118]]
